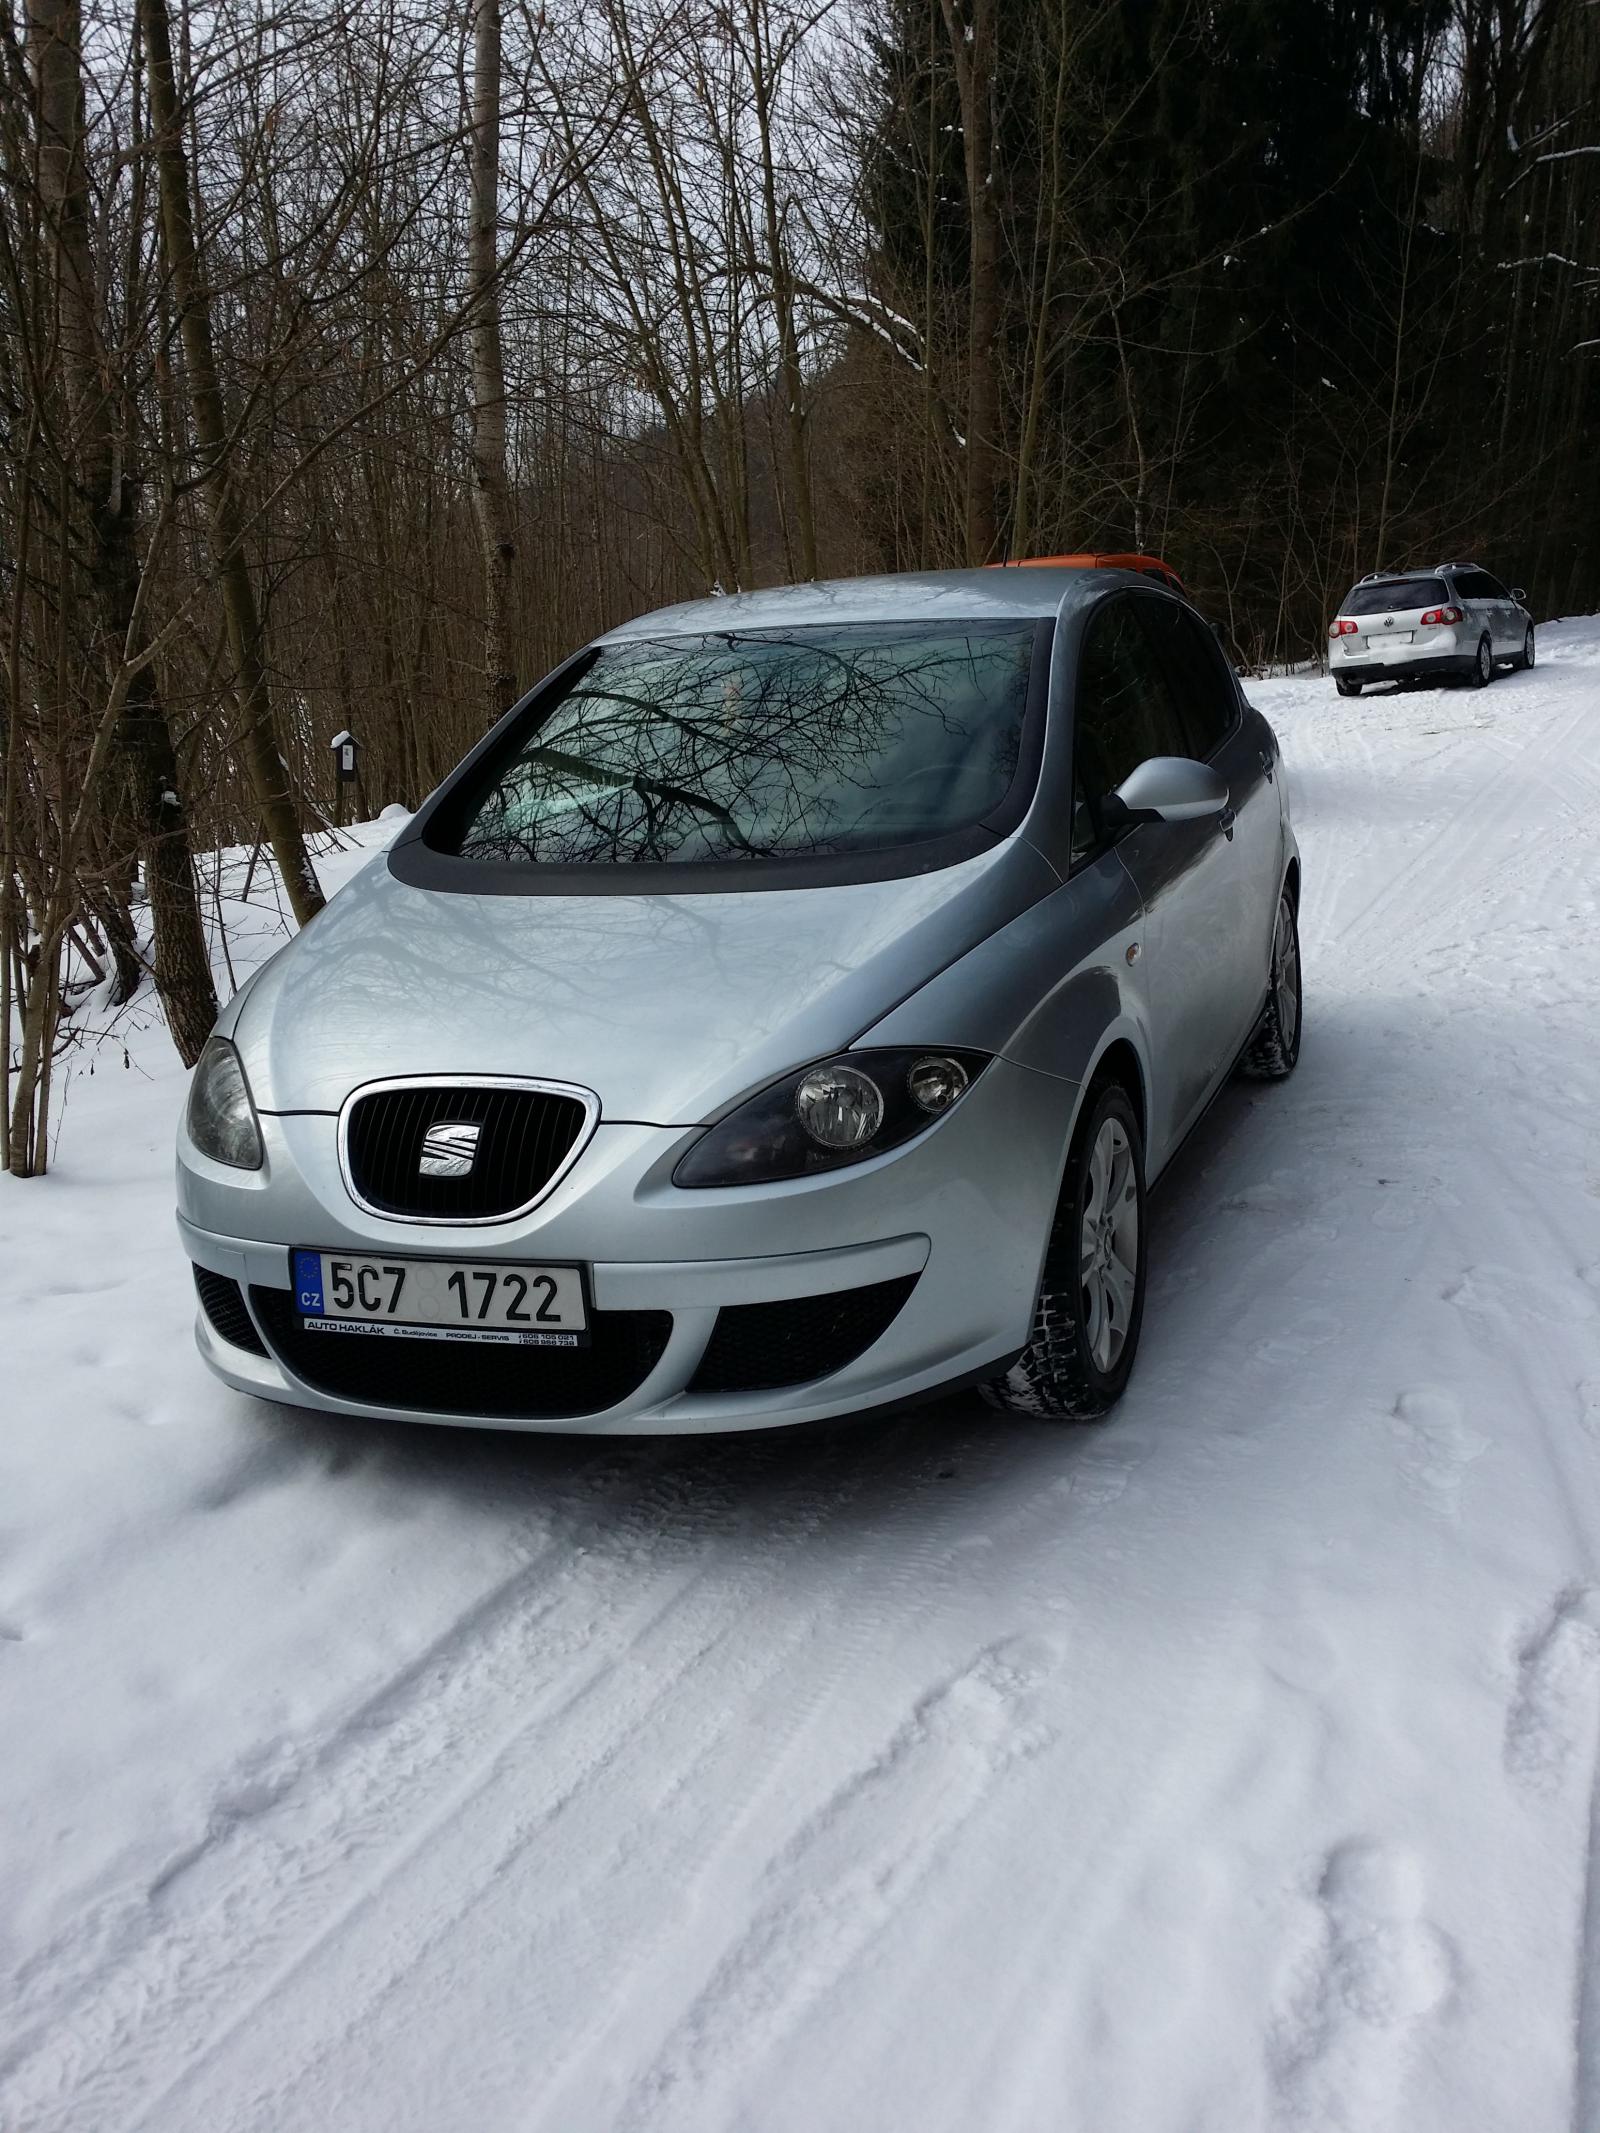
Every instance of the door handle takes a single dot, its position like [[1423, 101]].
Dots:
[[1267, 765], [1225, 822]]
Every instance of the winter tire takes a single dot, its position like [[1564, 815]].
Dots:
[[1524, 658], [1482, 671], [1091, 1295], [1274, 1046], [1347, 688]]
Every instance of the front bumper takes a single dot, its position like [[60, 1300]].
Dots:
[[960, 1215]]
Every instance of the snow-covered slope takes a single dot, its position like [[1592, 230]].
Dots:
[[1232, 1767]]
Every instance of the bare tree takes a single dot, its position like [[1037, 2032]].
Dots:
[[182, 968], [491, 482], [269, 774], [970, 27]]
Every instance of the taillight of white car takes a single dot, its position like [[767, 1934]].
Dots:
[[1441, 614]]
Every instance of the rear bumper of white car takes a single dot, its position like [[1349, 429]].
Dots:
[[1439, 654], [881, 1283]]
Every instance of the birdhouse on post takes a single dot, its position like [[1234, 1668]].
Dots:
[[347, 771]]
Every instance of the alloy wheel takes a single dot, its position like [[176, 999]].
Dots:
[[1109, 1259], [1286, 974]]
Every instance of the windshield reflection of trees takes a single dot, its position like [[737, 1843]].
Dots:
[[748, 745]]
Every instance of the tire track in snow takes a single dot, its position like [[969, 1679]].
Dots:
[[71, 1963], [511, 1793], [1461, 832], [493, 1882], [729, 1882], [254, 1884], [491, 1824], [833, 1889]]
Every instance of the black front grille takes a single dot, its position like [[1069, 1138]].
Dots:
[[463, 1378], [757, 1347], [223, 1303], [524, 1137]]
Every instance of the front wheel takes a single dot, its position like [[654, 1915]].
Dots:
[[1091, 1294], [1274, 1046], [1524, 659]]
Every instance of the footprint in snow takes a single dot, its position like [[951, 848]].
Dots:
[[1552, 1707], [1371, 1968], [1435, 1446], [1310, 1331], [1498, 1295], [1298, 1652], [1096, 1481]]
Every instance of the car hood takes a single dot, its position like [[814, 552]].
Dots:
[[667, 1007]]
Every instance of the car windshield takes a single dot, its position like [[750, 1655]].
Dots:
[[1395, 596], [749, 744]]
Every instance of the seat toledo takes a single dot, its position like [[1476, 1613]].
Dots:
[[779, 1015]]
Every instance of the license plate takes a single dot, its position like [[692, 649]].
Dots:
[[1390, 637], [441, 1299]]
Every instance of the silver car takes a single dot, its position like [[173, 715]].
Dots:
[[778, 1016], [1453, 622]]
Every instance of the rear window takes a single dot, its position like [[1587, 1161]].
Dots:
[[1394, 594], [758, 744]]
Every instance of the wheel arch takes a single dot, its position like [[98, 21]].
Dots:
[[1119, 1062]]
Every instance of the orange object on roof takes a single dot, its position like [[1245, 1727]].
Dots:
[[1150, 565]]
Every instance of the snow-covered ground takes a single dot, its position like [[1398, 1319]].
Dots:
[[1231, 1767]]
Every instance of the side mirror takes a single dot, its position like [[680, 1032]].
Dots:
[[1167, 788], [1519, 593]]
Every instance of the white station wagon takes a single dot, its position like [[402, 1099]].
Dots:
[[1455, 621]]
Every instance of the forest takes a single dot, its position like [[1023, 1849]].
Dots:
[[359, 359]]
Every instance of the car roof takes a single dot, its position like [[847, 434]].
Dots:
[[1147, 565], [905, 596], [1398, 577]]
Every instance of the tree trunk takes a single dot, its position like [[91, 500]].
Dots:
[[972, 45], [182, 966], [269, 774], [782, 280], [491, 485]]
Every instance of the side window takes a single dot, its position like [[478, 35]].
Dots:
[[1477, 585], [1493, 589], [1123, 713], [1195, 670]]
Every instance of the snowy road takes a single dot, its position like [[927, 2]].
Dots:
[[1232, 1767]]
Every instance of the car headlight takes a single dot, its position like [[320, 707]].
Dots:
[[839, 1111], [221, 1118]]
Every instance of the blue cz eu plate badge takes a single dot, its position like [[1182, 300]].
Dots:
[[307, 1267]]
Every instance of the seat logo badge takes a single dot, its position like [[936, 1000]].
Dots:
[[449, 1149]]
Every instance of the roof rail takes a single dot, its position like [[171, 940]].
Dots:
[[1456, 566]]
